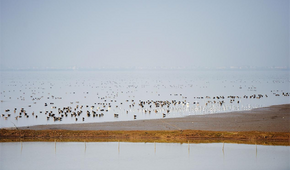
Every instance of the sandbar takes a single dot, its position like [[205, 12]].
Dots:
[[267, 119]]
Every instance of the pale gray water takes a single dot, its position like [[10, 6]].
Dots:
[[161, 156], [195, 90]]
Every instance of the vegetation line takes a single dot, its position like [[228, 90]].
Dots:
[[172, 135]]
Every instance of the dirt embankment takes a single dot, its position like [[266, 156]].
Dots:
[[165, 136]]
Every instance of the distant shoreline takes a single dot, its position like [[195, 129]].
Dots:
[[282, 68]]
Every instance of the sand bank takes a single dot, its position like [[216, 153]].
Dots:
[[269, 125], [267, 119]]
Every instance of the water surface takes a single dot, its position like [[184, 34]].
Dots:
[[123, 155]]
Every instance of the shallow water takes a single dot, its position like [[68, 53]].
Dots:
[[122, 155], [195, 92]]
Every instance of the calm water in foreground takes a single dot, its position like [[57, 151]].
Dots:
[[58, 97], [161, 156]]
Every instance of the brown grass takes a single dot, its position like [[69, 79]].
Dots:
[[180, 136]]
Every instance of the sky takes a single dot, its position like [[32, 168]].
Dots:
[[65, 34]]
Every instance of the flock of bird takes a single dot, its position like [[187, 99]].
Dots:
[[164, 107], [115, 99]]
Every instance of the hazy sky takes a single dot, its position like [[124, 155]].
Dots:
[[132, 33]]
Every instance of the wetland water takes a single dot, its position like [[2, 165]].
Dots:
[[59, 97], [124, 155]]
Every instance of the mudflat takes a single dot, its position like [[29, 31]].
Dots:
[[268, 119]]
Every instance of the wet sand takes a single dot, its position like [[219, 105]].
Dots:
[[267, 119]]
